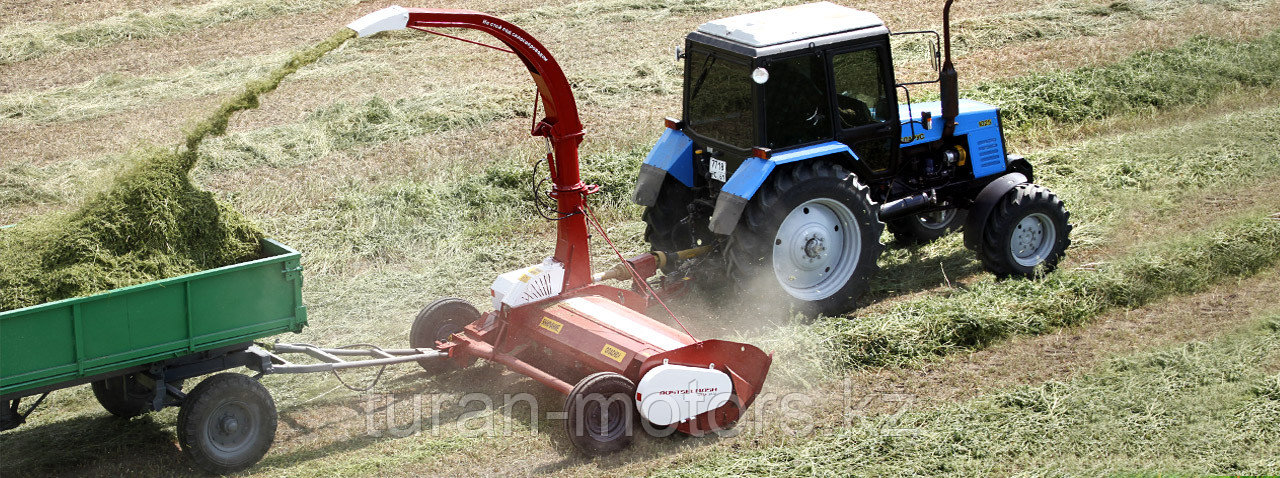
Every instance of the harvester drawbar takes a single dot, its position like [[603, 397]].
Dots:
[[557, 323]]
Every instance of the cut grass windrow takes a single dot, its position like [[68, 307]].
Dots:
[[1203, 407], [33, 40], [1193, 73], [993, 310]]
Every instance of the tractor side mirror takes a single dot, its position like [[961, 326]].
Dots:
[[679, 53], [935, 57]]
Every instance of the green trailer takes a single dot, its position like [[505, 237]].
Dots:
[[138, 345]]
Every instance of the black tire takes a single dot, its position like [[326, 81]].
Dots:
[[813, 245], [665, 226], [436, 323], [1028, 233], [227, 423], [601, 413], [123, 396], [928, 227]]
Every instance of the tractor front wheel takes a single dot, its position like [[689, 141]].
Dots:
[[1026, 234], [811, 235]]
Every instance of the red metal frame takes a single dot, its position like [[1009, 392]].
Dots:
[[613, 334], [561, 126]]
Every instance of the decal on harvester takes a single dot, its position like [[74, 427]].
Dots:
[[613, 352], [908, 139], [553, 326], [985, 122]]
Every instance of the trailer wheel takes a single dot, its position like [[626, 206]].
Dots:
[[227, 423], [927, 227], [601, 413], [437, 322], [123, 396], [812, 235], [1027, 233]]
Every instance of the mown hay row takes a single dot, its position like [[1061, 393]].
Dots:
[[994, 310]]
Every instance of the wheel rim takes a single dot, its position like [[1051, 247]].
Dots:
[[936, 219], [816, 249], [230, 429], [1032, 240], [605, 423]]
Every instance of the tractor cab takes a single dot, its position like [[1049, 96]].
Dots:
[[793, 155], [789, 78]]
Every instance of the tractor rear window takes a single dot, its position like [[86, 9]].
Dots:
[[719, 99]]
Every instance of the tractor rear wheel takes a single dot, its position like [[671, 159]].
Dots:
[[668, 226], [437, 322], [601, 413], [1026, 234], [928, 227], [811, 235]]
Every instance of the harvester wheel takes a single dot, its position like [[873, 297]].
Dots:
[[1027, 233], [437, 322], [927, 227], [601, 413], [227, 423], [812, 235]]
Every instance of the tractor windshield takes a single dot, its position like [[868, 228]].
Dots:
[[719, 99]]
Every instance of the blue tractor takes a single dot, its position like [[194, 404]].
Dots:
[[796, 151]]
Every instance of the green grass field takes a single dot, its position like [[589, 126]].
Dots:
[[403, 179]]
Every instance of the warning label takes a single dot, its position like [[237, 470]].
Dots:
[[613, 353], [553, 326]]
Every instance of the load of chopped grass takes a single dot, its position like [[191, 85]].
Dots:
[[150, 223]]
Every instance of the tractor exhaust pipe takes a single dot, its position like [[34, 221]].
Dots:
[[950, 90]]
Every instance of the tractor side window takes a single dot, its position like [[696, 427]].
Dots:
[[796, 105], [719, 99], [860, 92]]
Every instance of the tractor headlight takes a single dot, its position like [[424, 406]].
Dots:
[[760, 75]]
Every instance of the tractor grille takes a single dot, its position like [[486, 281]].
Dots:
[[987, 153]]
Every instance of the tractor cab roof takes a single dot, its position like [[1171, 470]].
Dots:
[[789, 28]]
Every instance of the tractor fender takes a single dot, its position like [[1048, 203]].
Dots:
[[984, 203], [672, 155], [752, 174]]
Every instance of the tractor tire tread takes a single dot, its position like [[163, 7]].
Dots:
[[993, 250]]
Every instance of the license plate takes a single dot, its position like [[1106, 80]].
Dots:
[[717, 170]]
